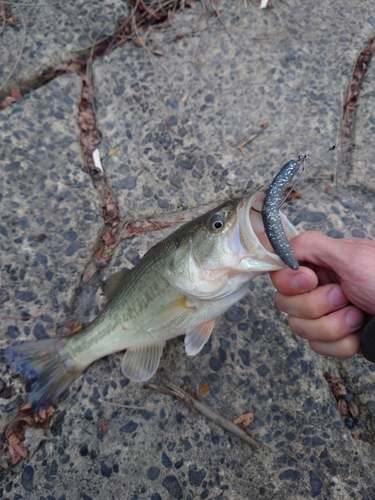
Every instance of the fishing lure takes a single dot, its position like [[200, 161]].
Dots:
[[270, 211]]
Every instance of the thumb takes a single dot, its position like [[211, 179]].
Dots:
[[322, 250]]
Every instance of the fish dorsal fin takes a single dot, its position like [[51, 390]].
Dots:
[[141, 364], [170, 312], [198, 336], [114, 284]]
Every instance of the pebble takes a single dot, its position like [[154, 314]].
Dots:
[[40, 332], [105, 470], [173, 487], [316, 484], [166, 461], [289, 475], [126, 183], [196, 476], [13, 332], [129, 427], [88, 415], [153, 473], [27, 296], [262, 370], [27, 478], [235, 314]]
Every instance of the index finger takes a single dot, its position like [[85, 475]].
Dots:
[[289, 282]]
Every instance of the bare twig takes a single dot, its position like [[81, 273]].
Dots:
[[247, 159], [246, 140], [129, 407], [193, 403], [350, 41], [219, 16], [135, 30]]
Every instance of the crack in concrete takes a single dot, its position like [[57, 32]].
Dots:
[[347, 124], [136, 27]]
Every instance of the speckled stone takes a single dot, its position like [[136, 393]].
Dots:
[[42, 183], [163, 124], [288, 66], [53, 35]]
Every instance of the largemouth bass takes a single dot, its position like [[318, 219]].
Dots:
[[181, 286]]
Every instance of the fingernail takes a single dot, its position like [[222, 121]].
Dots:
[[354, 318], [337, 297], [301, 282]]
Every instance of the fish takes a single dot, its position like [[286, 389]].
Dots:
[[182, 285], [270, 210]]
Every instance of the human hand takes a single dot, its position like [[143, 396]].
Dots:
[[326, 301]]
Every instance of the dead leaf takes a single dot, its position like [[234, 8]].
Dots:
[[14, 456], [204, 389], [140, 41], [357, 437], [328, 190], [353, 408], [339, 390], [343, 407], [26, 406], [158, 51], [293, 195], [20, 450], [114, 151], [104, 426], [245, 419], [109, 238], [13, 440], [16, 94], [111, 209], [7, 101], [89, 273]]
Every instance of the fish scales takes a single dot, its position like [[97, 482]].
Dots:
[[181, 286]]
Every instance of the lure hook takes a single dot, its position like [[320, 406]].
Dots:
[[301, 158]]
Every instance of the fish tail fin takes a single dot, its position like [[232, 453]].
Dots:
[[48, 367]]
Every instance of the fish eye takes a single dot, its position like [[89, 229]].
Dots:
[[217, 222]]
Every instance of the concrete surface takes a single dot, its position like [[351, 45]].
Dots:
[[51, 33], [178, 120]]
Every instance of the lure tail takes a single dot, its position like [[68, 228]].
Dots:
[[48, 367]]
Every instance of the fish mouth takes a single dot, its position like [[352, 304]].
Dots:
[[252, 233]]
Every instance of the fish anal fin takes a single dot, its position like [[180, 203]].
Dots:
[[170, 312], [196, 338], [141, 364], [114, 284]]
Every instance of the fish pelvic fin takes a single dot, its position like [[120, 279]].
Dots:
[[47, 366], [141, 364], [196, 338]]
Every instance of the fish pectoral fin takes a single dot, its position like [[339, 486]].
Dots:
[[196, 338], [114, 284], [141, 364], [170, 312]]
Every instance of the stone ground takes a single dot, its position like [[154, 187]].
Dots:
[[177, 111]]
